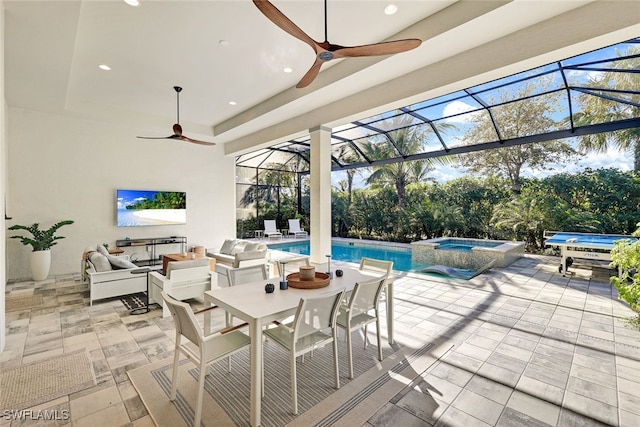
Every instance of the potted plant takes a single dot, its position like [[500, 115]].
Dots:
[[41, 241]]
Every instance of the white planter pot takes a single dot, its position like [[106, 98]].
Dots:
[[40, 264]]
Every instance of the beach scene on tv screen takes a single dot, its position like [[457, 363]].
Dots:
[[141, 207]]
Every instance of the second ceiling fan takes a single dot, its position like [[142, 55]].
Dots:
[[177, 129], [326, 51]]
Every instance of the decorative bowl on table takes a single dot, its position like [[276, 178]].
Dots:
[[307, 272], [319, 281]]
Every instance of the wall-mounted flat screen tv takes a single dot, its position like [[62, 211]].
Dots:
[[137, 208]]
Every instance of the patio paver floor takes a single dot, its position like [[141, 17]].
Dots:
[[529, 347]]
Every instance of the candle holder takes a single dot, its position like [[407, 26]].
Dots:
[[329, 272], [284, 285]]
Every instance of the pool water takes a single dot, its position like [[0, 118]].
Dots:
[[353, 252], [454, 245]]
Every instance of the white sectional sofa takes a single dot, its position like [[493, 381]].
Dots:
[[112, 276], [236, 253], [239, 253]]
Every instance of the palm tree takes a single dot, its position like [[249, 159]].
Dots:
[[521, 214], [601, 108], [406, 139], [403, 141]]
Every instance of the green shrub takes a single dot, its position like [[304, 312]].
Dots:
[[626, 257]]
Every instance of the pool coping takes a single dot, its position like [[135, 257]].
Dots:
[[348, 240]]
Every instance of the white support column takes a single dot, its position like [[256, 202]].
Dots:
[[320, 203]]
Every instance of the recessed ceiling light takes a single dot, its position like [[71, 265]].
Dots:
[[224, 43], [104, 67], [287, 70], [390, 9], [132, 2], [233, 103]]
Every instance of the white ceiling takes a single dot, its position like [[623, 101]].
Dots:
[[53, 49]]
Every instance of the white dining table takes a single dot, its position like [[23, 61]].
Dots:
[[250, 303]]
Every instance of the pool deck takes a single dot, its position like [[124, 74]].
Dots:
[[525, 346], [528, 347]]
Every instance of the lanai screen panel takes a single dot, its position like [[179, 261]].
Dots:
[[598, 91]]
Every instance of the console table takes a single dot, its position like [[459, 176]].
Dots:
[[151, 247]]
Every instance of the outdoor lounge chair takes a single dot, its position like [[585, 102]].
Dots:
[[296, 230], [270, 229]]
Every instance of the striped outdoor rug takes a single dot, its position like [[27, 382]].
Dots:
[[227, 399], [133, 301]]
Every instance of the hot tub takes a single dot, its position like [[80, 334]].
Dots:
[[470, 254]]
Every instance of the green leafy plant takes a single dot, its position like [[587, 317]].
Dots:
[[41, 239], [626, 257]]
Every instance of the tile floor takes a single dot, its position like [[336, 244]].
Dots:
[[529, 347]]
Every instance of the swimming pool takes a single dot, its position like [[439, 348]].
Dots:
[[354, 251]]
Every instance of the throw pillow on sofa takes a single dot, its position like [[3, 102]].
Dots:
[[116, 262], [227, 246], [99, 262]]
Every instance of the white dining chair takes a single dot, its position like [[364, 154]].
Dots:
[[308, 331], [242, 275], [200, 349], [362, 309], [373, 265], [376, 265]]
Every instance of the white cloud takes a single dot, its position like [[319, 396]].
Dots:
[[458, 107], [613, 158], [444, 173]]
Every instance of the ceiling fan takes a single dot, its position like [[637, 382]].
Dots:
[[326, 51], [177, 129]]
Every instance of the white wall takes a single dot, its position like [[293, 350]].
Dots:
[[63, 167]]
